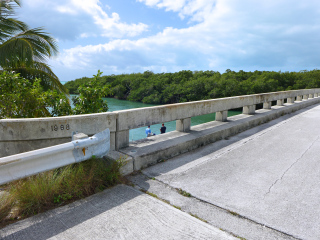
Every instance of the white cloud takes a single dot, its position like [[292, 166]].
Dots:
[[111, 25], [169, 5], [248, 35], [71, 19], [196, 9]]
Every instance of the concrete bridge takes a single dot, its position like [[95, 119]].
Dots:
[[256, 176], [21, 135]]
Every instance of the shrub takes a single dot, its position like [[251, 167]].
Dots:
[[57, 187], [90, 97], [6, 205], [23, 98]]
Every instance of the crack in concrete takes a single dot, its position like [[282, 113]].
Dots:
[[284, 173]]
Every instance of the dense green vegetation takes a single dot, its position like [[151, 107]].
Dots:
[[184, 86], [23, 98]]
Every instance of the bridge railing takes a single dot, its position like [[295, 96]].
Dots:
[[182, 112], [21, 135]]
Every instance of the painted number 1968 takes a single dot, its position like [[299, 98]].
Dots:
[[62, 127]]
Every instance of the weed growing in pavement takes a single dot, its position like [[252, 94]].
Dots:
[[152, 194], [196, 216], [234, 213], [184, 193], [177, 207]]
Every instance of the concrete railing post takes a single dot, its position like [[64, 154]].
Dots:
[[311, 96], [183, 125], [267, 105], [280, 102], [316, 95], [122, 139], [222, 116], [249, 110], [112, 141], [290, 100], [299, 98], [305, 97]]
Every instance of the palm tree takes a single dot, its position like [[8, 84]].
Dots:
[[25, 50]]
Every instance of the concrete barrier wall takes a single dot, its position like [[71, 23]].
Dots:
[[21, 135]]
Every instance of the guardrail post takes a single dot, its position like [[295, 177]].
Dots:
[[267, 105], [299, 98], [290, 100], [122, 139], [311, 95], [280, 102], [183, 125], [316, 95], [305, 97], [249, 110], [222, 116]]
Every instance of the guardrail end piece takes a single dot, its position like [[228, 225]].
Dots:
[[98, 145], [79, 136]]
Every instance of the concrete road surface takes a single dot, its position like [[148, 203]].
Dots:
[[269, 175]]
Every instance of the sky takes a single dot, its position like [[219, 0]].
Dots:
[[131, 36]]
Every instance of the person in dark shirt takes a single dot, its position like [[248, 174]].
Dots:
[[163, 129]]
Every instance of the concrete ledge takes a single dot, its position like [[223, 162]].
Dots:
[[127, 168], [158, 148], [28, 134]]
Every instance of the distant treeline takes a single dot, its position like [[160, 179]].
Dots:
[[184, 86]]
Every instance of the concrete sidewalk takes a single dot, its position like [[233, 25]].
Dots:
[[118, 213]]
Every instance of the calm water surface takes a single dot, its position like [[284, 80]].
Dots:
[[139, 133]]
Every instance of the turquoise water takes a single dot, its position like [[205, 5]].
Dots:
[[139, 133]]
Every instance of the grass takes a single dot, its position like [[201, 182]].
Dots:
[[39, 193], [152, 194], [177, 207], [6, 204], [234, 213], [184, 193], [196, 216]]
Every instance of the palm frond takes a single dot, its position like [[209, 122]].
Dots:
[[26, 50], [9, 26], [42, 71], [26, 47], [7, 7]]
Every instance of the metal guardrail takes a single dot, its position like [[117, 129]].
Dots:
[[29, 163]]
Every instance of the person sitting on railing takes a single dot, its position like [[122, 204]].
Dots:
[[148, 131], [163, 129]]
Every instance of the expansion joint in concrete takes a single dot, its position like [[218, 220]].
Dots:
[[140, 188]]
